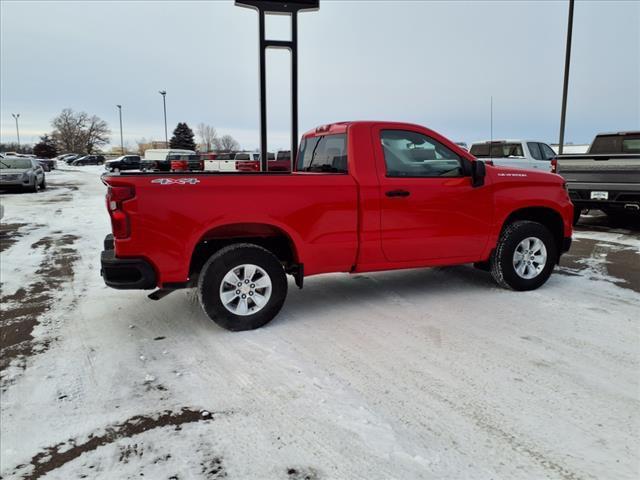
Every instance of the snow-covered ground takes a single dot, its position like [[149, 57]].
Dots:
[[432, 373]]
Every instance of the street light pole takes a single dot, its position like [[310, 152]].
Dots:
[[121, 139], [16, 116], [164, 104], [565, 87]]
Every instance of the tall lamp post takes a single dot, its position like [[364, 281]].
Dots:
[[565, 86], [291, 8], [121, 138], [164, 105], [16, 116]]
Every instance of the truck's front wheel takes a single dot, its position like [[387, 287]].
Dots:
[[242, 287], [524, 257]]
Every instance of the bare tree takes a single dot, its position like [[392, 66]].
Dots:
[[227, 143], [68, 130], [96, 133], [79, 132], [208, 136]]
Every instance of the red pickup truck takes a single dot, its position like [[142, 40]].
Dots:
[[364, 196]]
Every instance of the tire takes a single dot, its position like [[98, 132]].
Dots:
[[213, 284], [33, 188], [576, 215], [503, 258], [43, 184]]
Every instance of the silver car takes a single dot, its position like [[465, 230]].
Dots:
[[21, 173]]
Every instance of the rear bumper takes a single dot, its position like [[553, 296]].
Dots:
[[125, 273], [619, 198]]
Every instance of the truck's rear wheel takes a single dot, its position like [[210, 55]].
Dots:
[[524, 257], [242, 287]]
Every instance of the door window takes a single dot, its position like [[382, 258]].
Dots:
[[547, 152], [534, 148], [412, 154]]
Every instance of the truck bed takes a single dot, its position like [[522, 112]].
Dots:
[[174, 211]]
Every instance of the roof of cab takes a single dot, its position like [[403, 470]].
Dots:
[[341, 127]]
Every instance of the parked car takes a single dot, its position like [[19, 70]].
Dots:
[[185, 163], [280, 162], [72, 158], [88, 160], [63, 157], [21, 173], [48, 164], [527, 154], [157, 158], [223, 162], [401, 196], [125, 162], [607, 177]]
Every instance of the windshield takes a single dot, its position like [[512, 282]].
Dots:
[[497, 150], [18, 163]]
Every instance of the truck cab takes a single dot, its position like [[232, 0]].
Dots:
[[528, 154]]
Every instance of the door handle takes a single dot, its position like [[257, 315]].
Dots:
[[397, 193]]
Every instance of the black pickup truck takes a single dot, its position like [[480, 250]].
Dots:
[[125, 162], [607, 177]]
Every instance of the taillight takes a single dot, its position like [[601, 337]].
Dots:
[[554, 165], [119, 218]]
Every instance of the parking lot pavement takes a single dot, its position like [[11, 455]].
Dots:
[[432, 373]]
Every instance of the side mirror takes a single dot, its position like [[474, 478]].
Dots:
[[478, 172]]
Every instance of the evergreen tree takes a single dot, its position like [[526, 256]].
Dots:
[[46, 148], [183, 138]]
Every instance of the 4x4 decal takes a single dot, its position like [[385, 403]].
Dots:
[[175, 181]]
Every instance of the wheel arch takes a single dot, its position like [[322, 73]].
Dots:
[[550, 218], [269, 236]]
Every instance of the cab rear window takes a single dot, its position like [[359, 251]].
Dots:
[[629, 143], [325, 153]]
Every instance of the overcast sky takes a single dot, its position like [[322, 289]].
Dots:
[[433, 63]]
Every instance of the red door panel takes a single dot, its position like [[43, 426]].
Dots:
[[440, 218], [428, 217]]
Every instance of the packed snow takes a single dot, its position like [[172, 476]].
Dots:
[[418, 374]]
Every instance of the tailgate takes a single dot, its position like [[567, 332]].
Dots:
[[600, 169]]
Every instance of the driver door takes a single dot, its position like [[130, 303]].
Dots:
[[429, 210]]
